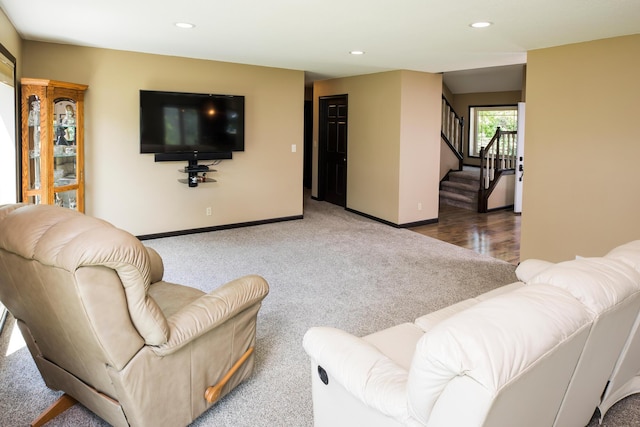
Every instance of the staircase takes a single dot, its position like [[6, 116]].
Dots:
[[470, 188], [460, 188]]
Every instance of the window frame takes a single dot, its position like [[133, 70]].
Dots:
[[472, 128]]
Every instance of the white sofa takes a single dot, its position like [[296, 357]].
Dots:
[[538, 352], [625, 379]]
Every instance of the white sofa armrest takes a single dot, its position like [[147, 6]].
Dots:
[[360, 368], [529, 268]]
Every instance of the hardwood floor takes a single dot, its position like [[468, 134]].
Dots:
[[496, 234]]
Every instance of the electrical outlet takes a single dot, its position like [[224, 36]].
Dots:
[[208, 211], [419, 206]]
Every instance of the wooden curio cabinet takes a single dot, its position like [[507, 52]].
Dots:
[[53, 143]]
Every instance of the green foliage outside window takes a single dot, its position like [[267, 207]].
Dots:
[[487, 120]]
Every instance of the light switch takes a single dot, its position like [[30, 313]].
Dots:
[[293, 148]]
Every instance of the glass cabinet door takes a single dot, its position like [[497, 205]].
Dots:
[[65, 161], [53, 142], [34, 165], [66, 199]]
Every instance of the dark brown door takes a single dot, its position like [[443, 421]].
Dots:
[[332, 170], [307, 175]]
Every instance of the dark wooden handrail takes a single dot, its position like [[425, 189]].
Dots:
[[452, 130]]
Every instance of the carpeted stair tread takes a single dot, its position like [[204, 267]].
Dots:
[[461, 189], [455, 196], [455, 186], [465, 176], [444, 200]]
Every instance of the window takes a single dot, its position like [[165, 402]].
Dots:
[[483, 122]]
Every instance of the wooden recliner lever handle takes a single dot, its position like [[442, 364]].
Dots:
[[213, 392], [63, 403]]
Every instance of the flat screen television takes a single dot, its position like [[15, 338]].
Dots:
[[190, 126]]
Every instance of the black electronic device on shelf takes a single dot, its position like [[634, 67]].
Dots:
[[196, 168], [196, 174]]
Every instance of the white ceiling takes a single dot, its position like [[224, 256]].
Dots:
[[317, 35], [488, 79]]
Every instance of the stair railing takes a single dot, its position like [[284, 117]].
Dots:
[[498, 157], [452, 130]]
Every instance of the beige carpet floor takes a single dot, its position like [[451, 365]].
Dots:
[[332, 268]]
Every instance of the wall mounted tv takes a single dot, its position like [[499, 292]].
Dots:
[[190, 126]]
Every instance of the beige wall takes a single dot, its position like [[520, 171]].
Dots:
[[582, 177], [503, 194], [135, 193], [9, 127], [448, 160], [420, 123], [447, 93], [393, 143], [10, 39], [462, 101]]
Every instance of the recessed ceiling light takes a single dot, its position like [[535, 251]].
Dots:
[[483, 24], [357, 52], [184, 25]]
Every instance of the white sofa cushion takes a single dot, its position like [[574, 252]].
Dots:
[[530, 268], [397, 342], [628, 253], [430, 320], [598, 283], [494, 342]]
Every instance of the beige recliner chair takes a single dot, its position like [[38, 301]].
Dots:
[[104, 328]]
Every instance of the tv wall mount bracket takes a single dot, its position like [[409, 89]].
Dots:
[[196, 174]]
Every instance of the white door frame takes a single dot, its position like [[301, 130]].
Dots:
[[517, 199]]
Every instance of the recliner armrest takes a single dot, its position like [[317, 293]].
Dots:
[[156, 266], [360, 368], [211, 310]]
